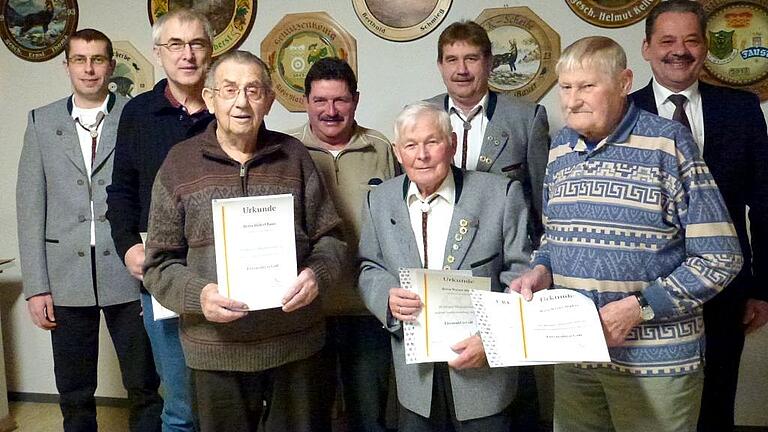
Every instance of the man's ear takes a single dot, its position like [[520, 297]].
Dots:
[[208, 99], [626, 81]]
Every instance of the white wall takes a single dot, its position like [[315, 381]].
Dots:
[[391, 74]]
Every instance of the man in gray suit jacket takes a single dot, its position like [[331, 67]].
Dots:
[[495, 133], [475, 221], [70, 269]]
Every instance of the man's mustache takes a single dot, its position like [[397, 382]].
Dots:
[[332, 118], [687, 57]]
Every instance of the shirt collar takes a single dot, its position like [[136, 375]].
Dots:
[[75, 110], [619, 135], [446, 191], [483, 104], [662, 93]]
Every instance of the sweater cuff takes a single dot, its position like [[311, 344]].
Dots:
[[192, 295]]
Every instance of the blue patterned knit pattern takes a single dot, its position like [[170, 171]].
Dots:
[[640, 213]]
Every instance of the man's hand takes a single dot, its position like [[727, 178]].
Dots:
[[303, 291], [535, 279], [403, 304], [134, 261], [218, 308], [471, 353], [40, 309], [618, 318], [755, 315]]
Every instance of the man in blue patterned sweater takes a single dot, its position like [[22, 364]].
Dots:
[[634, 221]]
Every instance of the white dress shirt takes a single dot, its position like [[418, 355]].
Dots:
[[439, 214], [87, 116], [693, 108], [476, 133]]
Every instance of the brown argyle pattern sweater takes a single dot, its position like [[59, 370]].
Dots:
[[181, 259]]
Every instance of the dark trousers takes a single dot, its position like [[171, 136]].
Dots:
[[361, 353], [442, 415], [289, 398], [75, 353], [724, 335]]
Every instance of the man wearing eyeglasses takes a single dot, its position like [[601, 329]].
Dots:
[[70, 270], [151, 124], [248, 368]]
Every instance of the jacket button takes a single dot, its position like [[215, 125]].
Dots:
[[107, 253], [102, 218], [81, 254], [80, 182], [81, 218], [58, 132], [101, 182]]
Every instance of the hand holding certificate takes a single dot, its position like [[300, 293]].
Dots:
[[557, 326], [446, 317], [255, 249]]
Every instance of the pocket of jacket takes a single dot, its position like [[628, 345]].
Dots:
[[51, 240], [483, 261]]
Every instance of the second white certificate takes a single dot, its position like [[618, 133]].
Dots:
[[255, 248], [447, 316]]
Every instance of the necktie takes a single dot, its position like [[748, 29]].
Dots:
[[679, 114], [467, 127], [425, 207], [94, 132]]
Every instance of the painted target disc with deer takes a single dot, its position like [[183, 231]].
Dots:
[[525, 50], [36, 30]]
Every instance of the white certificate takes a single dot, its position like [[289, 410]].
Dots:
[[159, 312], [447, 316], [255, 249], [557, 326]]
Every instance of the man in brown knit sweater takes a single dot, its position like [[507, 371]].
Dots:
[[244, 361]]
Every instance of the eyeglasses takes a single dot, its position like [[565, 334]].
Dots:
[[254, 93], [178, 45], [81, 60]]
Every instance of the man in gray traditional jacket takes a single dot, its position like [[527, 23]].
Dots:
[[70, 270], [437, 216]]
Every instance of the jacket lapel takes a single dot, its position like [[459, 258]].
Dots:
[[495, 138], [106, 142], [69, 141], [404, 237], [462, 229]]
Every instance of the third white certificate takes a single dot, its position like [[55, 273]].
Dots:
[[557, 326]]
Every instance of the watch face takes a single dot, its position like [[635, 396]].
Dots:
[[647, 313]]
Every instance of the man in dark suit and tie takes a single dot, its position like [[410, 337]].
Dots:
[[729, 128], [70, 269]]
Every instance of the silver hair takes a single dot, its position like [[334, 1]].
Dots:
[[597, 52], [414, 111], [184, 16], [242, 57]]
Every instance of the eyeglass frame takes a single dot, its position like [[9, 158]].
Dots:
[[265, 92], [182, 44], [97, 60]]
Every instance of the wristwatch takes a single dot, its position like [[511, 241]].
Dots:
[[646, 311]]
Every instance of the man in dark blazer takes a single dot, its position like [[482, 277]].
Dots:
[[729, 126], [476, 222], [71, 272]]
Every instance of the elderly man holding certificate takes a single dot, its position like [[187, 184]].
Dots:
[[250, 369], [441, 218]]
